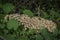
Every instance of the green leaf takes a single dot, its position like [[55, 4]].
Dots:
[[23, 38], [39, 37], [54, 14], [28, 12], [8, 7], [58, 18], [2, 25], [9, 37], [12, 24], [1, 5], [2, 16], [46, 34], [44, 14], [5, 31], [56, 32], [32, 31]]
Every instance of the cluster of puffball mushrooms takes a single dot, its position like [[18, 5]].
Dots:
[[33, 23]]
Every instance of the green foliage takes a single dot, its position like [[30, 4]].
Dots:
[[44, 14], [23, 38], [9, 37], [12, 31], [46, 34], [56, 32], [8, 7], [39, 37], [1, 5], [1, 16], [2, 25], [28, 12], [12, 24], [32, 31], [52, 15], [27, 34]]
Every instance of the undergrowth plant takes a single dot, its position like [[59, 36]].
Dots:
[[11, 30], [28, 12]]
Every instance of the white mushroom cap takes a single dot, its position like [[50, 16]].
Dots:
[[33, 23]]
